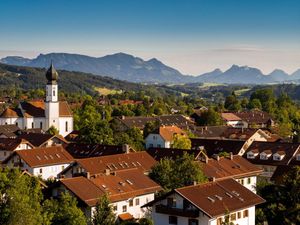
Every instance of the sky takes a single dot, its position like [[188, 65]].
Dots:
[[193, 36]]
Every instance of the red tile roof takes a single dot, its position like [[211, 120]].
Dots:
[[96, 165], [226, 167], [216, 198], [230, 117], [38, 139], [119, 186], [36, 109], [10, 144], [168, 132], [43, 156]]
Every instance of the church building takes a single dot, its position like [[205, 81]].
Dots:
[[42, 114]]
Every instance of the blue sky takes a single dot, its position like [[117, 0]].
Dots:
[[194, 36]]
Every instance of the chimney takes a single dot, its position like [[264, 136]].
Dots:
[[88, 175], [231, 156], [194, 183], [107, 172], [125, 148], [216, 157], [213, 179], [205, 127], [123, 117]]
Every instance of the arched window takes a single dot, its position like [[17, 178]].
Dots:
[[32, 125], [53, 92]]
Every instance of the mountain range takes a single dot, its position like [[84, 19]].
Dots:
[[134, 69]]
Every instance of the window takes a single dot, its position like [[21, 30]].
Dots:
[[17, 124], [245, 214], [239, 215], [62, 167], [172, 220], [249, 180], [124, 208], [233, 217], [41, 125], [66, 126], [32, 125], [41, 170], [53, 92], [115, 208], [193, 222], [130, 202], [159, 146], [4, 153], [171, 202], [242, 181], [137, 201]]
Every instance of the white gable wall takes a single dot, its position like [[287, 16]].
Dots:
[[156, 141]]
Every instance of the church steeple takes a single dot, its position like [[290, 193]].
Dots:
[[51, 87], [52, 75]]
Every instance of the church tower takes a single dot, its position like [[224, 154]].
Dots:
[[52, 104]]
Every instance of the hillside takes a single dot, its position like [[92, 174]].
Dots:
[[126, 67]]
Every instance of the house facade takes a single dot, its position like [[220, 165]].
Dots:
[[46, 163], [206, 204]]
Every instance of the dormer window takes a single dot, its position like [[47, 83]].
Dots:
[[265, 155], [251, 155], [278, 156], [298, 157]]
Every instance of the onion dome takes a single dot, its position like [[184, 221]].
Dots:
[[52, 74]]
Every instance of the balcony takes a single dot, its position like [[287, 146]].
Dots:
[[191, 213]]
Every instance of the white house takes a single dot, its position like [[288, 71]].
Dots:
[[127, 190], [233, 166], [233, 120], [46, 163], [9, 145], [42, 114], [206, 204], [163, 138]]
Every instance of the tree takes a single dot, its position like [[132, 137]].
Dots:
[[103, 213], [20, 199], [232, 103], [52, 130], [150, 127], [181, 142], [282, 200], [64, 211], [254, 104], [210, 118], [182, 171]]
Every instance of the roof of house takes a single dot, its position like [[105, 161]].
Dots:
[[233, 197], [290, 150], [79, 150], [215, 146], [35, 109], [38, 139], [119, 186], [257, 117], [170, 153], [227, 167], [11, 112], [166, 120], [168, 132], [217, 197], [98, 165], [230, 117], [8, 128], [10, 144], [38, 157]]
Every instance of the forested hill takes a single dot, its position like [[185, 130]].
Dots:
[[31, 78]]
